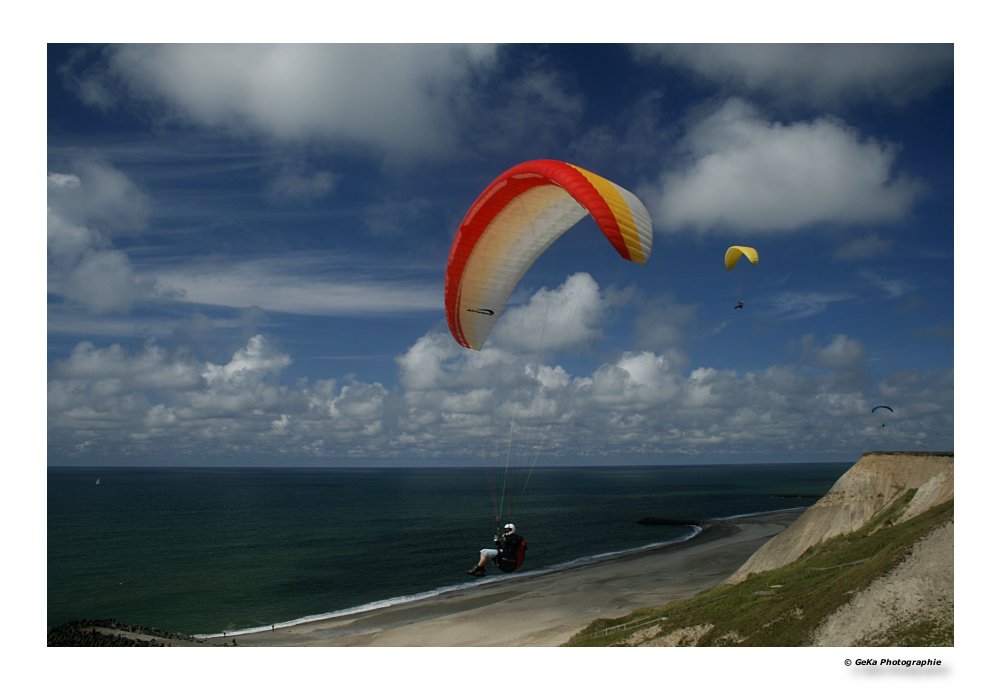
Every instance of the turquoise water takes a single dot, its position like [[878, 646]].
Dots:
[[203, 551]]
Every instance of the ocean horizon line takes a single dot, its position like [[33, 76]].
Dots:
[[501, 466]]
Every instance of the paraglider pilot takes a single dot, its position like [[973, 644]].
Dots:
[[508, 554], [739, 305]]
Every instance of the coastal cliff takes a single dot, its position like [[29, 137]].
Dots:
[[873, 483], [869, 564]]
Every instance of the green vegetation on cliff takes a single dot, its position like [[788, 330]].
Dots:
[[784, 607]]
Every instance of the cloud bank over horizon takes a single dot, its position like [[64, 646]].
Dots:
[[454, 405]]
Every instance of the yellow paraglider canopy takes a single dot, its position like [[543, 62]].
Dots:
[[734, 253]]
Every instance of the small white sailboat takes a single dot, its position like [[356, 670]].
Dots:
[[98, 482]]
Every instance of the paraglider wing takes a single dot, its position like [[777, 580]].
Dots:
[[734, 253], [882, 407], [514, 220]]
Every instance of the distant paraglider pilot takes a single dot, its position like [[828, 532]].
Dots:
[[733, 256], [508, 554], [882, 407]]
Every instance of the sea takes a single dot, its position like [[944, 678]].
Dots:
[[217, 551]]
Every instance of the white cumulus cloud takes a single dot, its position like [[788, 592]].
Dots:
[[255, 359], [392, 97], [94, 193], [823, 75], [841, 352], [89, 206], [744, 172], [568, 316]]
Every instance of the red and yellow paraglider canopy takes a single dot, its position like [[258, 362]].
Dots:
[[514, 220]]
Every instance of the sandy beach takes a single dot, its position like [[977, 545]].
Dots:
[[543, 610]]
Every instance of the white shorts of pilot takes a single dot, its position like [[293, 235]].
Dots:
[[489, 553]]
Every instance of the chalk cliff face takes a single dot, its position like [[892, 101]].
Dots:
[[921, 588], [890, 583], [871, 485]]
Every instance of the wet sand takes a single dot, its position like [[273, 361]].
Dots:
[[543, 610]]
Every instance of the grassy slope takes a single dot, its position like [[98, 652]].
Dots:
[[783, 607]]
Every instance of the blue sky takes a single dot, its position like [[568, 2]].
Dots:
[[246, 249]]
